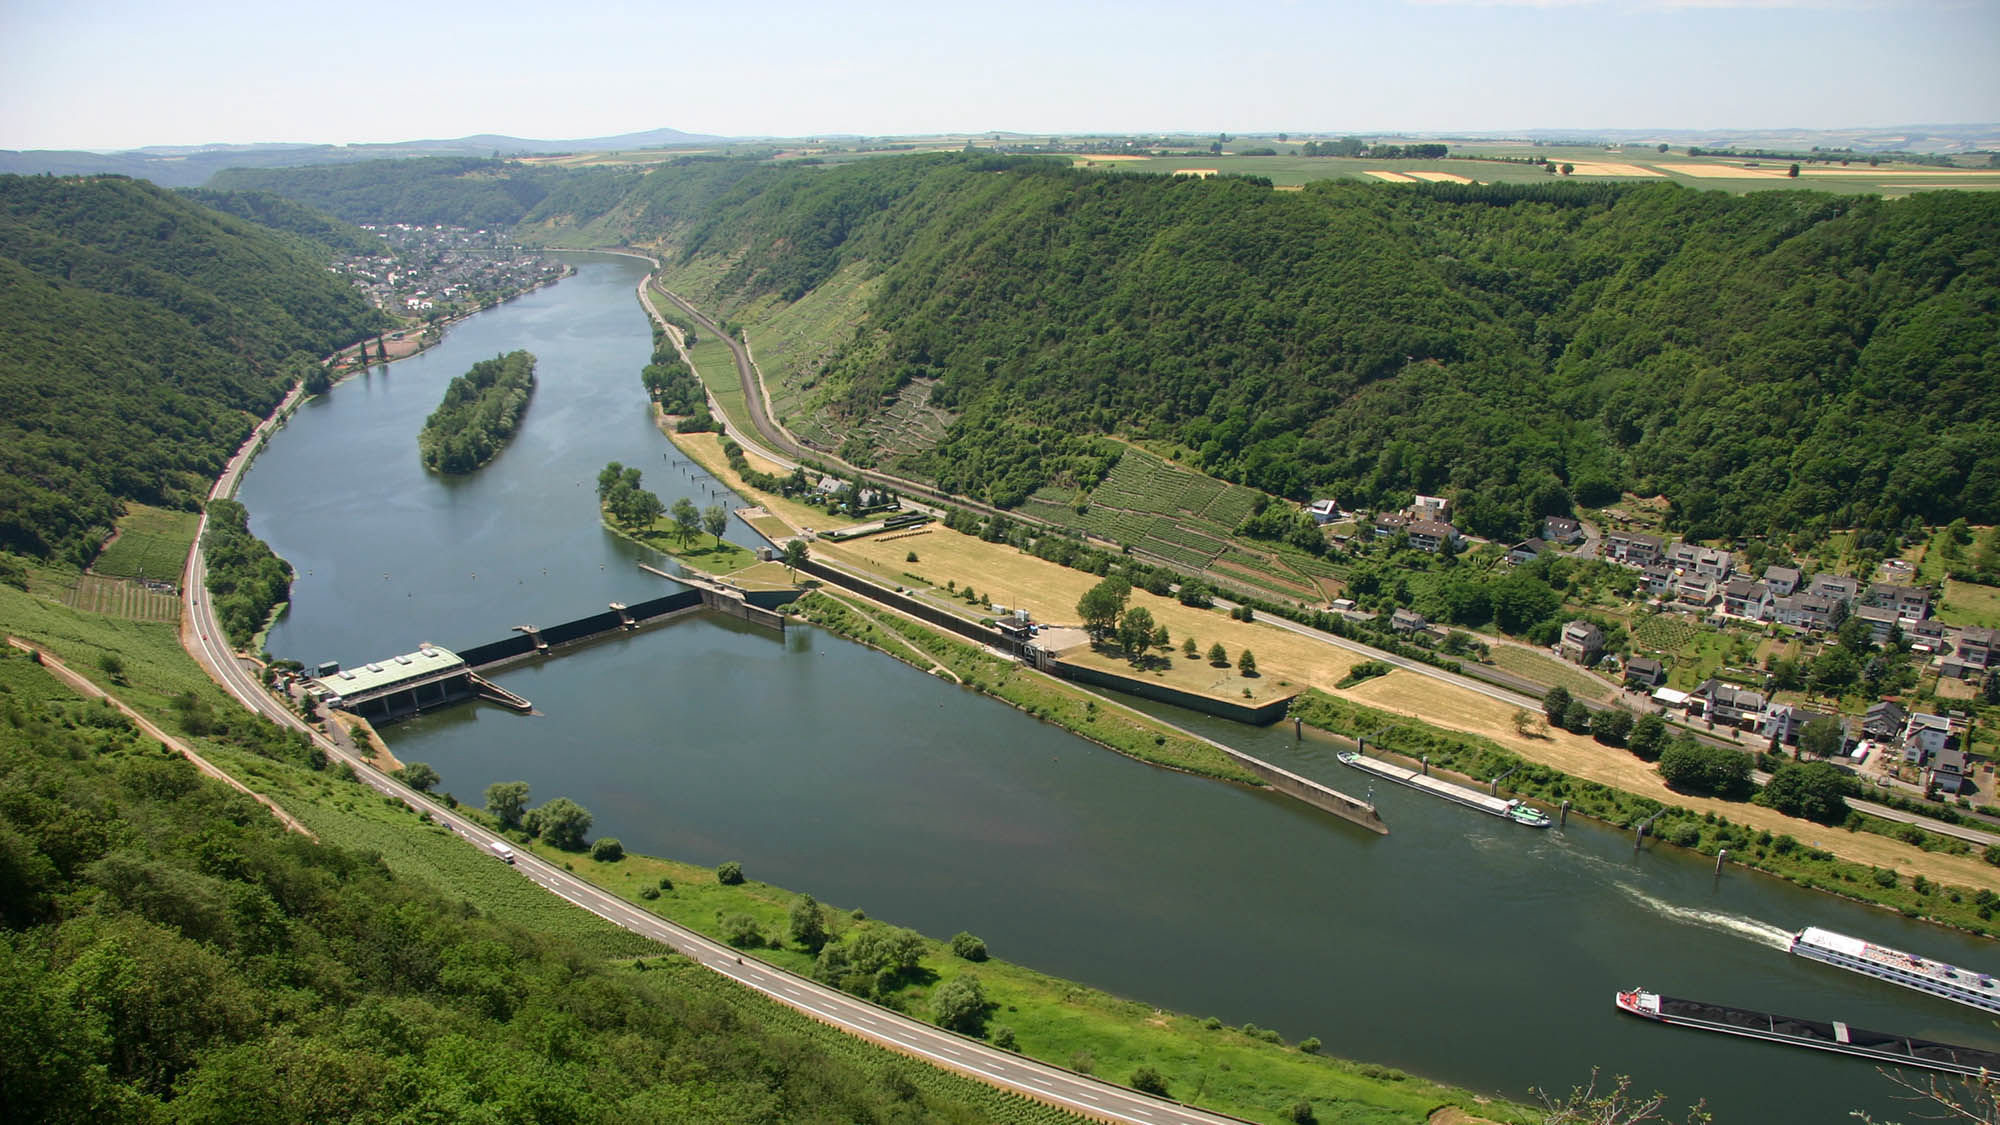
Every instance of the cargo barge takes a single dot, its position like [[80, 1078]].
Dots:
[[1974, 989], [1514, 810], [1881, 1046]]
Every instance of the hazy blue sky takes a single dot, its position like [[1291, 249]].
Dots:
[[124, 73]]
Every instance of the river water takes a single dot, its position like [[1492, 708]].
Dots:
[[1459, 947]]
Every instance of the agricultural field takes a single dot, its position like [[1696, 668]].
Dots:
[[1175, 515], [123, 598], [149, 543], [1545, 669], [1600, 164]]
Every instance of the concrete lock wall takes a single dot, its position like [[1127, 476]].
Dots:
[[923, 611], [1259, 715]]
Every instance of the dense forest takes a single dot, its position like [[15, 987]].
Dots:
[[317, 232], [245, 579], [481, 410], [1773, 362], [140, 334], [169, 953]]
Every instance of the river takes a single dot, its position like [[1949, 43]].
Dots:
[[1459, 947]]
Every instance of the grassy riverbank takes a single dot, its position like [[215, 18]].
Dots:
[[1081, 712], [1242, 1071], [1704, 825]]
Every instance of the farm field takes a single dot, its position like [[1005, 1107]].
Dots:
[[716, 368], [123, 598], [149, 543], [1548, 670]]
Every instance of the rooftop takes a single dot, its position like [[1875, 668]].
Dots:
[[430, 660]]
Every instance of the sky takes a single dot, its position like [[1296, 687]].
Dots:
[[113, 74]]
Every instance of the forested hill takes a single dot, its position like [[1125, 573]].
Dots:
[[1771, 362], [140, 335], [321, 234]]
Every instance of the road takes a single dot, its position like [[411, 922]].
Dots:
[[202, 635]]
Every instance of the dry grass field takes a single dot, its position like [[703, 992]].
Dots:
[[1409, 694], [1392, 177]]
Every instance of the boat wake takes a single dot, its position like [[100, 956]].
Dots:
[[1763, 933]]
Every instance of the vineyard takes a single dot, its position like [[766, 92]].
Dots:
[[119, 597], [1185, 519]]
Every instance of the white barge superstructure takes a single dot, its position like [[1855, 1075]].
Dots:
[[1966, 986]]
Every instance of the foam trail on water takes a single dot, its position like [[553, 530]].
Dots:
[[1777, 937]]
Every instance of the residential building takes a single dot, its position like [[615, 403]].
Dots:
[[1325, 511], [1696, 591], [1728, 705], [1949, 771], [1926, 635], [1705, 561], [1744, 598], [1803, 611], [1405, 621], [1880, 621], [1430, 508], [1834, 587], [1528, 550], [1781, 579], [1431, 535], [1643, 672], [1659, 579], [1581, 642], [1786, 721], [1925, 736], [1978, 648], [1908, 601], [1561, 529], [1633, 548], [1387, 524], [1885, 720]]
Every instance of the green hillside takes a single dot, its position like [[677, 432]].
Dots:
[[140, 334], [1772, 362]]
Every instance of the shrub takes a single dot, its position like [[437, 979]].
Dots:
[[1300, 1113], [607, 850], [1003, 1038], [1146, 1080], [729, 873], [649, 893], [959, 1004], [1310, 1044], [666, 884], [740, 930], [966, 947]]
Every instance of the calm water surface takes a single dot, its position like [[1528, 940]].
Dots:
[[1460, 947]]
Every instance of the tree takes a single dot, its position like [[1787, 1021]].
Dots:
[[729, 873], [1194, 592], [742, 931], [607, 850], [1135, 632], [1162, 638], [959, 1004], [564, 823], [1568, 169], [1101, 605], [967, 947], [1649, 737], [1612, 727], [1662, 146], [795, 554], [1576, 717], [715, 519], [1822, 737], [1218, 656], [1817, 791], [1697, 767], [1191, 650], [1585, 1106], [1527, 724], [1793, 172], [418, 776], [1246, 664], [507, 800], [1555, 703], [687, 520], [808, 925]]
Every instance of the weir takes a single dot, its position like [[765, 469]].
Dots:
[[434, 677]]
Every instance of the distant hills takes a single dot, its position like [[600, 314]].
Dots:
[[192, 165]]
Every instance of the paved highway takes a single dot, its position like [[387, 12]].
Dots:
[[202, 634]]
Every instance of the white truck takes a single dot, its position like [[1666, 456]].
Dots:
[[502, 851]]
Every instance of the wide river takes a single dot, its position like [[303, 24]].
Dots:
[[1459, 947]]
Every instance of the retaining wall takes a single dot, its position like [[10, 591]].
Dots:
[[1259, 715], [921, 610]]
